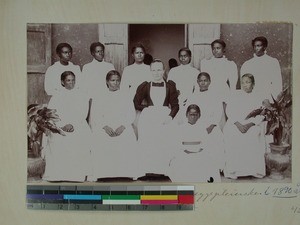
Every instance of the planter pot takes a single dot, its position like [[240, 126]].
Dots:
[[35, 167], [277, 160]]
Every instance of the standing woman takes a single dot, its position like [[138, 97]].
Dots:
[[155, 131], [223, 73], [135, 74], [68, 157], [184, 75], [265, 69], [112, 113], [244, 146], [52, 81]]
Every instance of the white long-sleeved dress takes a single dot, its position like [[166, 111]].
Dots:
[[185, 77], [68, 157], [199, 164], [211, 108], [133, 75], [221, 70], [94, 75], [268, 81], [113, 156], [244, 152], [267, 75]]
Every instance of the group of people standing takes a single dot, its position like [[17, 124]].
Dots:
[[188, 127]]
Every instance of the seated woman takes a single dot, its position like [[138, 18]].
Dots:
[[194, 160], [155, 119], [244, 146], [68, 157], [211, 113], [112, 114]]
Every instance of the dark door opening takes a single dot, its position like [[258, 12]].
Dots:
[[160, 40]]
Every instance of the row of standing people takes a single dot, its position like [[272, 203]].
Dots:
[[130, 81]]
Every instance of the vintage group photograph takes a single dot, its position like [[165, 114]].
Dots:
[[190, 103]]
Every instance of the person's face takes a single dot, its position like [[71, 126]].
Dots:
[[69, 82], [138, 55], [184, 58], [157, 70], [247, 84], [65, 54], [218, 50], [98, 53], [114, 83], [193, 116], [203, 83], [259, 49]]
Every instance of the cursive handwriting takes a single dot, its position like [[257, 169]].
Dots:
[[285, 191], [295, 209]]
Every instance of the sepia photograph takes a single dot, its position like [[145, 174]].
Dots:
[[193, 103]]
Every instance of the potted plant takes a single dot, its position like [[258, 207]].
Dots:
[[40, 120], [278, 124]]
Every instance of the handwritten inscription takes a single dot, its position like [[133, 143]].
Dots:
[[295, 209], [271, 191]]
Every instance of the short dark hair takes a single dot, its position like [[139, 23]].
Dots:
[[250, 76], [189, 52], [262, 39], [60, 46], [193, 106], [65, 74], [173, 63], [219, 41], [94, 45], [148, 59], [204, 74], [111, 73], [139, 45]]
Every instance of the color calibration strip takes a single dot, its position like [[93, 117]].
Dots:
[[109, 198]]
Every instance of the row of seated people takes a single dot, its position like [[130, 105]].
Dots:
[[187, 147], [178, 131]]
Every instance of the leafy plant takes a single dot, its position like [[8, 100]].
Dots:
[[40, 120], [276, 116]]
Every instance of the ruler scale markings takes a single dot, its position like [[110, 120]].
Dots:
[[109, 198]]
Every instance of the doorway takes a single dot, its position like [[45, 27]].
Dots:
[[160, 40]]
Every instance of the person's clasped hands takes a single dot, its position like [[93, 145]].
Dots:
[[114, 133]]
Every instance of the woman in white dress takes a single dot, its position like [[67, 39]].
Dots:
[[135, 74], [194, 158], [223, 73], [112, 113], [267, 73], [68, 157], [265, 69], [244, 146], [155, 132], [211, 114], [184, 75]]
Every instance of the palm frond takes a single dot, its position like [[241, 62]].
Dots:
[[254, 113]]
